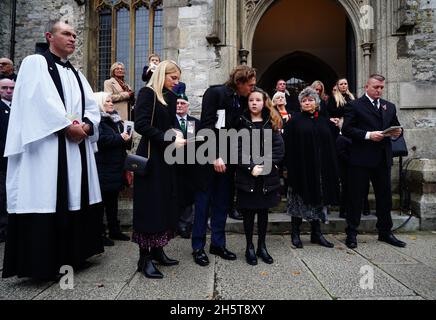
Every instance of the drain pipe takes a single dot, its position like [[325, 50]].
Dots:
[[13, 20]]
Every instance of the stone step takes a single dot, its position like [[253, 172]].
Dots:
[[280, 223]]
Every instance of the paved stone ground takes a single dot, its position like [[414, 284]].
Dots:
[[311, 273]]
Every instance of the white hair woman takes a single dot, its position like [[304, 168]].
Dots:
[[310, 157], [279, 103], [112, 144], [155, 196]]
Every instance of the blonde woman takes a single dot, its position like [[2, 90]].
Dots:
[[123, 96], [155, 196], [336, 105]]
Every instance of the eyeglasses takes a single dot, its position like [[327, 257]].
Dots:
[[6, 87]]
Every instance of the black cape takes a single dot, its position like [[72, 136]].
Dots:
[[311, 160]]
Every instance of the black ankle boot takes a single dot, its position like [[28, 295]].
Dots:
[[250, 255], [317, 237], [146, 266], [263, 253], [159, 255], [295, 233]]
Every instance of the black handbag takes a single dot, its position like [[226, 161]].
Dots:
[[139, 164], [399, 147]]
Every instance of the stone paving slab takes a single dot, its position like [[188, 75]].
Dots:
[[421, 247], [21, 289], [338, 270], [286, 279], [186, 281], [420, 278], [381, 253], [83, 291]]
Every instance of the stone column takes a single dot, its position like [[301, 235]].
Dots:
[[421, 181]]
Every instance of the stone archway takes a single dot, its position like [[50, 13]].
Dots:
[[253, 11]]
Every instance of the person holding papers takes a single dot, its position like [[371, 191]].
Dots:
[[371, 157]]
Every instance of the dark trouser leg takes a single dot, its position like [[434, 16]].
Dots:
[[248, 220], [110, 202], [186, 217], [220, 197], [366, 209], [358, 177], [199, 228], [381, 181], [344, 190]]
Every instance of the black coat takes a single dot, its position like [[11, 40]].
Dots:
[[155, 196], [360, 117], [244, 180], [216, 98], [311, 159], [4, 120], [186, 172], [111, 155]]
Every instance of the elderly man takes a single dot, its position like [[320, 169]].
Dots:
[[6, 91], [53, 193], [7, 69], [186, 123], [292, 103]]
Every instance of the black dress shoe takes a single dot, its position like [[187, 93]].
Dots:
[[319, 239], [264, 255], [147, 267], [390, 238], [351, 242], [200, 257], [366, 212], [222, 252], [250, 255], [159, 255], [234, 214]]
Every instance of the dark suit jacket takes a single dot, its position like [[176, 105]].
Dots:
[[360, 117], [4, 120], [220, 97]]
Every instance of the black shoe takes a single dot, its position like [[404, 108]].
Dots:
[[390, 238], [222, 252], [200, 257], [119, 236], [250, 256], [234, 214], [148, 268], [296, 240], [107, 242], [263, 254], [83, 265], [366, 212], [351, 242], [159, 255], [319, 239], [184, 233]]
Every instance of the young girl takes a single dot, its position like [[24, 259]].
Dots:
[[257, 191]]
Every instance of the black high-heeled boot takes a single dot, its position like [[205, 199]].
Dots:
[[295, 233], [146, 266], [250, 255], [263, 253], [317, 237], [159, 255]]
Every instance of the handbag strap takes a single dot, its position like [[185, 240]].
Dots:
[[152, 118]]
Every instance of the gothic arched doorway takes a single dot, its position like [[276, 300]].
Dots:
[[310, 40]]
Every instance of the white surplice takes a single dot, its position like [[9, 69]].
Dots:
[[32, 143]]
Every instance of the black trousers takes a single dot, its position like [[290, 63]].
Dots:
[[3, 212], [358, 179], [345, 190], [110, 204]]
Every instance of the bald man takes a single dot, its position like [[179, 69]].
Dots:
[[6, 91], [7, 69]]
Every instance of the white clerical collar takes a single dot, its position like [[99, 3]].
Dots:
[[8, 103]]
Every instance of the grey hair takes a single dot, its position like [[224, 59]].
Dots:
[[309, 92], [50, 26]]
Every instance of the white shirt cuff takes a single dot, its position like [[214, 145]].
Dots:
[[368, 136]]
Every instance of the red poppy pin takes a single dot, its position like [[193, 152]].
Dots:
[[384, 107], [75, 122], [316, 115]]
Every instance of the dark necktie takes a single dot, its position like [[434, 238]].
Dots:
[[183, 124], [378, 108]]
